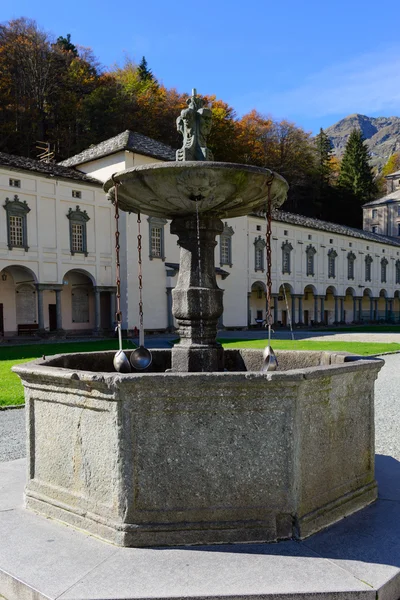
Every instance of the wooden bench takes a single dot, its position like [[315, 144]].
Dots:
[[28, 329]]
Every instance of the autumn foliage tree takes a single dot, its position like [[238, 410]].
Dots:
[[54, 90]]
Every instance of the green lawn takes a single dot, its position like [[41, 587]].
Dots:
[[363, 348], [11, 391]]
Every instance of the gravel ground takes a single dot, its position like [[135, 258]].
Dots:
[[12, 434], [387, 417]]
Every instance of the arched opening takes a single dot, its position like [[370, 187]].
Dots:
[[396, 306], [78, 301], [382, 312], [18, 301], [285, 305], [367, 306], [349, 305], [331, 314], [310, 315]]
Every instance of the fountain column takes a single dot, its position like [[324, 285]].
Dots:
[[197, 300]]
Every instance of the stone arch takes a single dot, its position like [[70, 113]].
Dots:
[[310, 288], [383, 293], [21, 274], [367, 292], [288, 288], [82, 272], [331, 290], [350, 291], [18, 296]]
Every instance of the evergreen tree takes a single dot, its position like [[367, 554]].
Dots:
[[65, 44], [145, 74], [324, 151], [356, 174]]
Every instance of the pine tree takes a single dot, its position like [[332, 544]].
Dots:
[[145, 74], [324, 150], [356, 174]]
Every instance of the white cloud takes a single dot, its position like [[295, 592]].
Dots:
[[369, 83]]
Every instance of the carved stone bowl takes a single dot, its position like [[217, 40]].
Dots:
[[172, 189]]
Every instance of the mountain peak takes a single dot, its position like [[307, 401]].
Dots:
[[382, 135]]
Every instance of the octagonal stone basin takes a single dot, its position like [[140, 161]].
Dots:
[[165, 458], [222, 190]]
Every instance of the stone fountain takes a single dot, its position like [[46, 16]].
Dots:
[[202, 447]]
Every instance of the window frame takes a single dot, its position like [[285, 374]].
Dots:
[[332, 255], [310, 254], [78, 217], [156, 223], [286, 257], [226, 237], [259, 250], [368, 268], [17, 208], [397, 271], [351, 257], [384, 264]]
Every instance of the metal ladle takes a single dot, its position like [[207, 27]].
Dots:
[[121, 362], [141, 358], [270, 361]]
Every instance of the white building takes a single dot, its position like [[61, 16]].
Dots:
[[57, 253]]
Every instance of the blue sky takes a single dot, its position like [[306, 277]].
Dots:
[[310, 62]]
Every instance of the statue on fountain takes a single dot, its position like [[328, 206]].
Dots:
[[194, 123]]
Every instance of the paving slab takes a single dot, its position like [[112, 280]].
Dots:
[[41, 559]]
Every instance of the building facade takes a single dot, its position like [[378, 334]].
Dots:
[[57, 254]]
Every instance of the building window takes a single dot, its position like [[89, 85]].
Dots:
[[76, 194], [398, 228], [384, 264], [14, 183], [310, 253], [374, 213], [375, 229], [16, 223], [156, 237], [368, 269], [351, 257], [285, 232], [309, 237], [286, 251], [397, 266], [258, 227], [225, 246], [77, 230], [259, 251], [332, 254]]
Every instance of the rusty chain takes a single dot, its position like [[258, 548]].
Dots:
[[140, 275], [118, 314], [268, 216]]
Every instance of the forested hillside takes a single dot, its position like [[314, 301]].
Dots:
[[54, 90]]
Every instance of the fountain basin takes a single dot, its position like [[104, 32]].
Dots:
[[170, 189], [165, 458]]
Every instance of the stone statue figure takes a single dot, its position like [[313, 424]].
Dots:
[[194, 123]]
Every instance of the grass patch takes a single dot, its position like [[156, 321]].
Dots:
[[362, 348], [11, 390]]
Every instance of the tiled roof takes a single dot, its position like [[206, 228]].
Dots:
[[127, 140], [21, 163], [292, 219], [392, 197]]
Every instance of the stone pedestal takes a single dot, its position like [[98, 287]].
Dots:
[[197, 300]]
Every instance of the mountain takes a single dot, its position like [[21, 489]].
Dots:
[[382, 135]]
